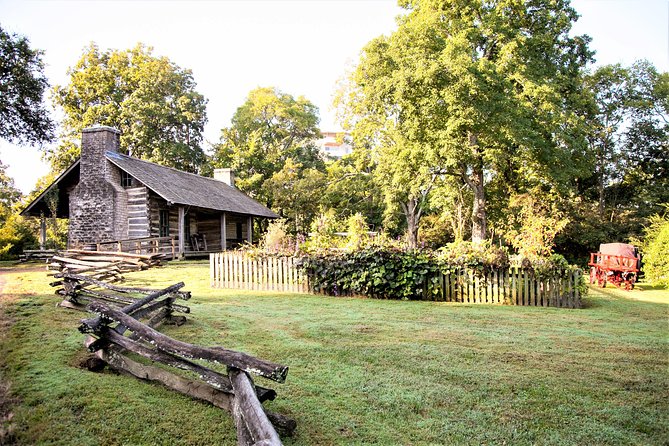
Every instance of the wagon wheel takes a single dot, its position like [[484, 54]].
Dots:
[[601, 278], [629, 282]]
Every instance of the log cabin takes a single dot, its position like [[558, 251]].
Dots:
[[114, 200]]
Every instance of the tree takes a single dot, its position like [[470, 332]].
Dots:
[[467, 85], [267, 131], [609, 87], [629, 139], [655, 247], [296, 193], [646, 141], [15, 233], [351, 188], [9, 194], [23, 117], [150, 99]]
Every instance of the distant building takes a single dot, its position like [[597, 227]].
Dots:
[[335, 144]]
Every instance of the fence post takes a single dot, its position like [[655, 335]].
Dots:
[[212, 270]]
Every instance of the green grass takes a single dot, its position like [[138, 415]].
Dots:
[[362, 371]]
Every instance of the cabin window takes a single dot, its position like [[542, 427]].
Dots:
[[126, 179], [164, 223]]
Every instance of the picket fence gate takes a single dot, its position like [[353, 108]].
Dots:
[[508, 286]]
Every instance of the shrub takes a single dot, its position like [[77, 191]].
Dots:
[[478, 256], [15, 236], [656, 251], [323, 230], [277, 239], [375, 272]]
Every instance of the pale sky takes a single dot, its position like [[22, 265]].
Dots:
[[301, 47]]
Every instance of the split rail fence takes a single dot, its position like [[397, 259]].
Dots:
[[118, 310], [508, 286]]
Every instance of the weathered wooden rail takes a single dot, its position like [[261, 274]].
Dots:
[[101, 265], [507, 286], [78, 291]]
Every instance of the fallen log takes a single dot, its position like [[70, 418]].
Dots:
[[249, 413], [243, 361], [199, 390]]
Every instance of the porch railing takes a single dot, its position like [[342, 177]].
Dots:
[[146, 245]]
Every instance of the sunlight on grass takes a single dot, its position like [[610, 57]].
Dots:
[[362, 371]]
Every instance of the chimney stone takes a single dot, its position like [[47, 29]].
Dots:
[[95, 141], [226, 175]]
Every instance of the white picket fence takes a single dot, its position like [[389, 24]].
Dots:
[[508, 286], [239, 271]]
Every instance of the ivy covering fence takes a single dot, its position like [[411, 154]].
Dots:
[[407, 275]]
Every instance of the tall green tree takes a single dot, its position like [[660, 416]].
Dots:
[[267, 131], [467, 85], [646, 141], [610, 87], [23, 117], [629, 140], [150, 99]]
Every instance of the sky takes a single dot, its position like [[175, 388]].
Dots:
[[302, 47]]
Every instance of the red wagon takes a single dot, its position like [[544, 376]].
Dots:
[[617, 263]]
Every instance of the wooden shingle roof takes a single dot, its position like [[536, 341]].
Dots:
[[179, 187]]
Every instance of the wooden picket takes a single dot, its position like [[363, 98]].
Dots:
[[509, 286]]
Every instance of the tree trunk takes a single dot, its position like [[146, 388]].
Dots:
[[412, 215], [476, 183], [601, 182], [479, 230]]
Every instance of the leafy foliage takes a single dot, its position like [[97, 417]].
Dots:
[[267, 131], [150, 99], [322, 232], [377, 272], [15, 233], [471, 90], [533, 225], [656, 250], [477, 256], [23, 117], [278, 240]]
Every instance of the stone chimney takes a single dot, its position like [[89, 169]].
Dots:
[[226, 175], [95, 141], [98, 203]]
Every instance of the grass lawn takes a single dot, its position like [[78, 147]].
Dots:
[[362, 371]]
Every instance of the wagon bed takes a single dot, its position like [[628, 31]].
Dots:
[[617, 263]]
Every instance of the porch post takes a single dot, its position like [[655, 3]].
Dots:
[[42, 231], [224, 234], [249, 230], [182, 230]]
